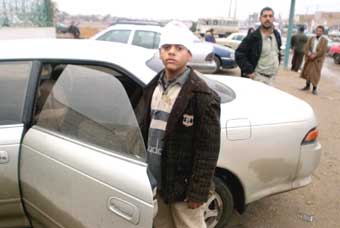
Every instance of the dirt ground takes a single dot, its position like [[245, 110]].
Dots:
[[318, 204]]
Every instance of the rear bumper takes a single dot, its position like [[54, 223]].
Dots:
[[309, 160]]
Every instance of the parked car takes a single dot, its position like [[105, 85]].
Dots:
[[148, 36], [71, 151], [223, 57], [207, 57], [233, 40], [334, 51]]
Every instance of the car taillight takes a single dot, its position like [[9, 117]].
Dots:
[[311, 136], [210, 57]]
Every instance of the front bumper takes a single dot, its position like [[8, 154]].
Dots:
[[228, 63]]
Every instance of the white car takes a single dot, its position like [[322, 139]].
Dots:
[[233, 40], [148, 36], [71, 151]]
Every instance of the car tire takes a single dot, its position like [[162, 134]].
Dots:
[[220, 206], [337, 58], [218, 64]]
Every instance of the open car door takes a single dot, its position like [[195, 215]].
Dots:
[[83, 160]]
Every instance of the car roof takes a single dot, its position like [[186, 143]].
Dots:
[[136, 26], [153, 28], [129, 57], [238, 33]]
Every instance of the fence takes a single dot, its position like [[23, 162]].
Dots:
[[22, 13]]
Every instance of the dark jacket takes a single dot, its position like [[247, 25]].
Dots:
[[190, 153], [249, 51], [298, 42]]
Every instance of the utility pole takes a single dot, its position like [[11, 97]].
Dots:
[[231, 2], [290, 29]]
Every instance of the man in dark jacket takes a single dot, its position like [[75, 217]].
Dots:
[[258, 55], [209, 37], [298, 45], [181, 125]]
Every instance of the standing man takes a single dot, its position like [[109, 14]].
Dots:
[[209, 37], [181, 125], [297, 44], [315, 53], [258, 55]]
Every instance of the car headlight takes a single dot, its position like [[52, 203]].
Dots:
[[232, 55]]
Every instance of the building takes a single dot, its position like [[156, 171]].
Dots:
[[328, 19]]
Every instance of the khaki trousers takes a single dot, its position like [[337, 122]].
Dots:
[[178, 215]]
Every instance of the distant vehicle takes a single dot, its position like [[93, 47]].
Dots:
[[223, 26], [223, 57], [148, 37], [233, 40], [207, 57], [334, 35], [72, 29], [334, 51]]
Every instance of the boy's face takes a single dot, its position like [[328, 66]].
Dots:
[[174, 56]]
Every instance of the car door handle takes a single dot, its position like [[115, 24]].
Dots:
[[4, 157], [124, 209]]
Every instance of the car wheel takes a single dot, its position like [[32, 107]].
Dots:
[[219, 207], [218, 64], [337, 58]]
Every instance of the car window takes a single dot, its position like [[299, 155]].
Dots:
[[13, 86], [240, 37], [92, 106], [146, 39], [121, 36]]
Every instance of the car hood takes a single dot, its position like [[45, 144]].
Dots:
[[217, 47], [261, 104], [221, 47]]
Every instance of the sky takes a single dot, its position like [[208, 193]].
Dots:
[[190, 9]]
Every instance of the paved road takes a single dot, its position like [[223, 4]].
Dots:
[[319, 201], [27, 33]]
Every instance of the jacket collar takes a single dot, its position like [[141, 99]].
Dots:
[[276, 33], [193, 85]]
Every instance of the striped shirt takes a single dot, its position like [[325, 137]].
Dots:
[[163, 99]]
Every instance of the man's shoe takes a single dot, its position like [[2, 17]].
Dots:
[[315, 92], [306, 88]]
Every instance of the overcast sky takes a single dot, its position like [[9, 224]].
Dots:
[[190, 9]]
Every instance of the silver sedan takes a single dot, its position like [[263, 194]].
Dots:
[[71, 151]]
